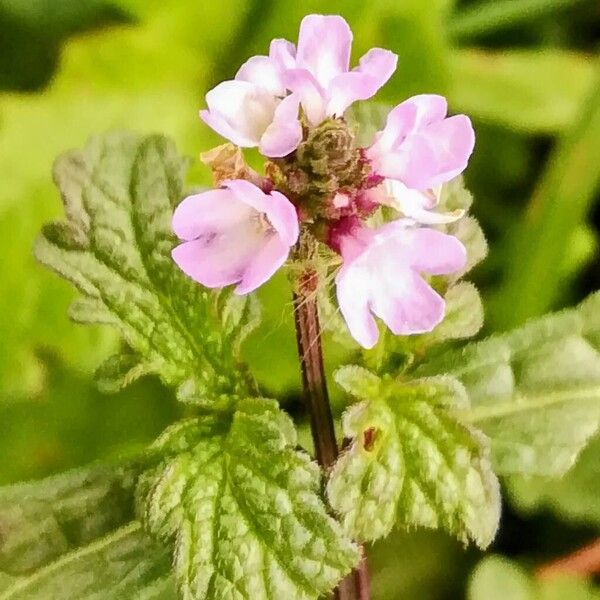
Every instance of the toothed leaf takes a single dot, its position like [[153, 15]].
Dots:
[[412, 462], [242, 507], [534, 391], [115, 247]]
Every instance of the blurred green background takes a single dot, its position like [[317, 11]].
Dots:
[[526, 71]]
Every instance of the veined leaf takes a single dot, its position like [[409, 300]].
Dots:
[[42, 520], [535, 391], [125, 564], [119, 193], [412, 462], [574, 497], [243, 508]]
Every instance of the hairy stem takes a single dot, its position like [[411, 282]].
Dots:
[[355, 586]]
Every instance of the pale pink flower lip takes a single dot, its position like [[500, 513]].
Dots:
[[236, 234], [420, 146], [382, 276]]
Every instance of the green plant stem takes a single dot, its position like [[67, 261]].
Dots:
[[354, 586]]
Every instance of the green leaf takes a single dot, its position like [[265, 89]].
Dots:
[[242, 506], [574, 497], [525, 90], [43, 520], [125, 564], [535, 391], [412, 462], [469, 232], [464, 315], [119, 194], [497, 578]]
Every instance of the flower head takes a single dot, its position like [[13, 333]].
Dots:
[[236, 234], [382, 275], [290, 104], [420, 146]]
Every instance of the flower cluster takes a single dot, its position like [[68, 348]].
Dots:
[[290, 105]]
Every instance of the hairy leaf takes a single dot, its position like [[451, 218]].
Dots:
[[243, 508], [535, 391], [125, 564], [43, 520], [412, 462], [574, 497], [464, 314], [119, 193]]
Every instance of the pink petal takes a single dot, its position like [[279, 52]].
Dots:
[[430, 108], [285, 132], [240, 111], [311, 94], [283, 53], [352, 288], [264, 72], [324, 44], [263, 265], [434, 252], [450, 142], [411, 308], [406, 118], [207, 213], [219, 260], [375, 68], [222, 127], [414, 204], [280, 212], [282, 215], [248, 194]]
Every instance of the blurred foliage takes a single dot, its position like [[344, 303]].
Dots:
[[525, 70]]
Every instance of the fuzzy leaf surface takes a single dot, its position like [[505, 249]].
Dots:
[[43, 520], [115, 247], [243, 508], [574, 497], [125, 564], [534, 391], [412, 462]]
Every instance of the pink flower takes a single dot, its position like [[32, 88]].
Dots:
[[381, 275], [254, 110], [319, 70], [419, 206], [420, 146], [234, 234]]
